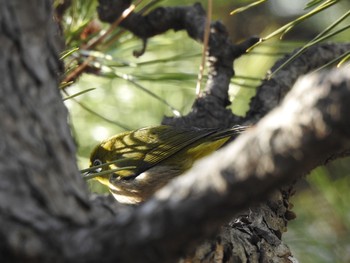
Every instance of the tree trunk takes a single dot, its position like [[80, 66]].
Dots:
[[37, 150]]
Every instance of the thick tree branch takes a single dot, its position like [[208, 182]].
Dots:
[[272, 91], [294, 138]]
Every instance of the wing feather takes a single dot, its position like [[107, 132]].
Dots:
[[146, 147]]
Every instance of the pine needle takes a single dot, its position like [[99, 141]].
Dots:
[[77, 94], [89, 176], [205, 47], [244, 8]]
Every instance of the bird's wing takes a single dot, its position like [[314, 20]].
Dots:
[[144, 148]]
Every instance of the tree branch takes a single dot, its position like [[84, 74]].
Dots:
[[209, 110], [272, 91], [294, 138]]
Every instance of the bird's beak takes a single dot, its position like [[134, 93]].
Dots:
[[91, 173]]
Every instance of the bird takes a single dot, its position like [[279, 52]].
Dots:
[[135, 164]]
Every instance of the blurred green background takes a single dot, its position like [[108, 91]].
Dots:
[[130, 93]]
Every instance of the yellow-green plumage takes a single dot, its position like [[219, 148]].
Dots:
[[158, 154]]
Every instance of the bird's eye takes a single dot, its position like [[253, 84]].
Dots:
[[96, 162]]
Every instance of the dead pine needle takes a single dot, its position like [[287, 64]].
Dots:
[[205, 48]]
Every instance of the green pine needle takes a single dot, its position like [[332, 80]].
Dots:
[[244, 8]]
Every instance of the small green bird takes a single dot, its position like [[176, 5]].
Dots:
[[151, 157]]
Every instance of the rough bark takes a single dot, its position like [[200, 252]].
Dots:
[[273, 90], [37, 150], [45, 213]]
